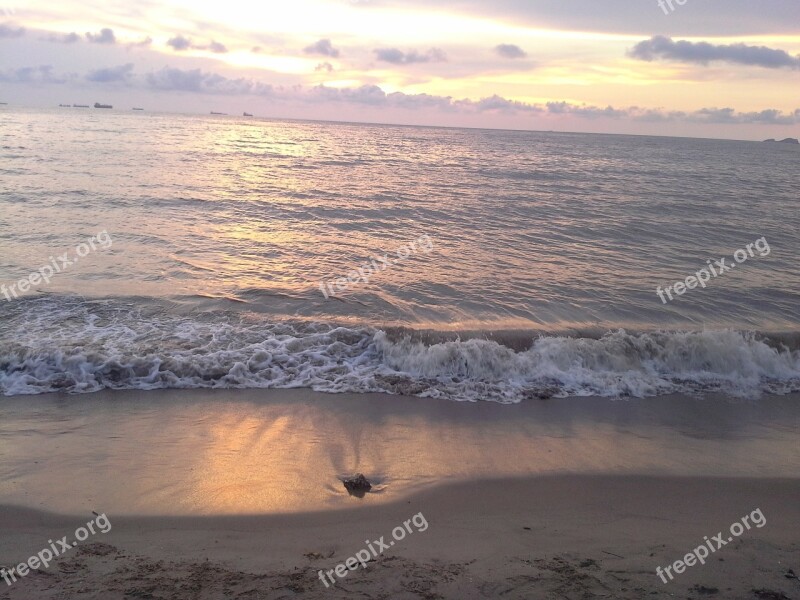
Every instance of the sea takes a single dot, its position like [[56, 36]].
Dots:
[[145, 250]]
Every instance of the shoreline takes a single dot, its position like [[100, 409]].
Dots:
[[194, 452]]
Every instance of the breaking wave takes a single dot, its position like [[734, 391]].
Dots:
[[75, 345]]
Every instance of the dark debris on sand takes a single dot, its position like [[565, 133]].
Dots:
[[357, 485]]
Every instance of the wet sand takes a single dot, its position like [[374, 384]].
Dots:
[[268, 451]]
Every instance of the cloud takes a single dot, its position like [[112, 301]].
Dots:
[[7, 31], [420, 101], [196, 80], [590, 112], [323, 48], [40, 74], [729, 115], [106, 36], [661, 47], [141, 43], [717, 18], [500, 104], [324, 66], [63, 38], [373, 95], [199, 81], [398, 57], [179, 43], [510, 51], [217, 48], [111, 75]]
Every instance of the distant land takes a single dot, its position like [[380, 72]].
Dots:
[[784, 141]]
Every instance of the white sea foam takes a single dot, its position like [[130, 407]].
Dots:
[[81, 346], [618, 364]]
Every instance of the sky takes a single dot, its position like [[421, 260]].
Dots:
[[699, 68]]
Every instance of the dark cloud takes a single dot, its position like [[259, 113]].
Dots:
[[661, 47], [40, 74], [106, 36], [510, 51], [373, 95], [196, 80], [398, 57], [324, 66], [111, 74], [729, 115], [8, 31], [500, 104], [179, 43], [323, 48], [421, 101], [590, 112], [63, 38]]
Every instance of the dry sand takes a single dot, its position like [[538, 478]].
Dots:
[[588, 496], [548, 537]]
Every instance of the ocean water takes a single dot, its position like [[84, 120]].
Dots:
[[176, 251]]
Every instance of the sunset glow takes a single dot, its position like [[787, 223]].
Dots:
[[445, 62]]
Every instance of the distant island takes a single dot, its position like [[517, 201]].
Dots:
[[218, 113], [784, 141]]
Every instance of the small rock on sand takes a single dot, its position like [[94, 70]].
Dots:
[[357, 484]]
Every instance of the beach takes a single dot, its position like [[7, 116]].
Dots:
[[399, 299], [558, 372], [238, 494]]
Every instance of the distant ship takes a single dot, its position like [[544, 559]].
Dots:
[[80, 106], [98, 105], [138, 108], [247, 114], [218, 113], [3, 103]]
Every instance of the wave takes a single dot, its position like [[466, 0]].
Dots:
[[56, 344]]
